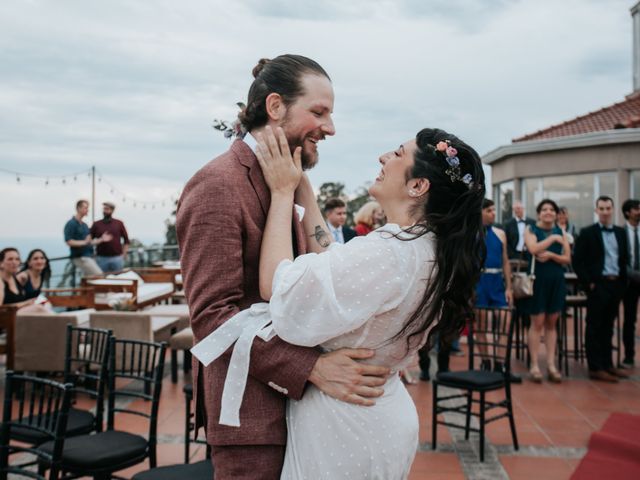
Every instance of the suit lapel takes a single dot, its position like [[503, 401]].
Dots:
[[249, 160], [599, 241]]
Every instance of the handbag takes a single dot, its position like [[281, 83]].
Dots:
[[522, 282]]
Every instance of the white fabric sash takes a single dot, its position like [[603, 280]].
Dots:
[[240, 329]]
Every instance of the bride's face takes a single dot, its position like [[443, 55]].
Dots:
[[391, 182]]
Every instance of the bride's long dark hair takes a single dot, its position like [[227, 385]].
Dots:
[[452, 210]]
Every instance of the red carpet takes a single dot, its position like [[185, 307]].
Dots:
[[614, 451]]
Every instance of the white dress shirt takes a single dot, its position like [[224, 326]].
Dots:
[[251, 141], [336, 232]]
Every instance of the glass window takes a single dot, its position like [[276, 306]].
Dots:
[[576, 192], [504, 201], [634, 188]]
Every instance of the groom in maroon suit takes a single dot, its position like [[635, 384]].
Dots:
[[220, 220]]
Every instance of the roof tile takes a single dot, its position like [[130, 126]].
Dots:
[[625, 114]]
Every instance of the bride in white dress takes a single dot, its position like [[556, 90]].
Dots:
[[388, 291]]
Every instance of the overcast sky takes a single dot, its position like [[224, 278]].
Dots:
[[132, 87]]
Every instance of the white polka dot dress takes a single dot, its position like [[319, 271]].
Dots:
[[359, 294]]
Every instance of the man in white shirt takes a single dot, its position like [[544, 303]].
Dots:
[[514, 228], [335, 211], [631, 212]]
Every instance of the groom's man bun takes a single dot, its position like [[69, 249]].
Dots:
[[282, 75], [258, 68]]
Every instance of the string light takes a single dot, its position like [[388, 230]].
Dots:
[[20, 176]]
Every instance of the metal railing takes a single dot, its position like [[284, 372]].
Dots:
[[65, 274]]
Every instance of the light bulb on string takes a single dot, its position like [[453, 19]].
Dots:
[[46, 182], [64, 181], [134, 204], [99, 179], [18, 178], [112, 191]]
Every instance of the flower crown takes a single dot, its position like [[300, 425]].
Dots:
[[451, 156]]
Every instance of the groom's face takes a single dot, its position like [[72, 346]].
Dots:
[[308, 119]]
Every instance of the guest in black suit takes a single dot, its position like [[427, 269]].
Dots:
[[514, 228], [600, 261], [335, 211], [631, 212]]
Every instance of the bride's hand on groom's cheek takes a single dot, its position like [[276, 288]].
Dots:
[[341, 376], [281, 170]]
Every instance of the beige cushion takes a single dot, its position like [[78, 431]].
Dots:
[[183, 340], [125, 325], [41, 339]]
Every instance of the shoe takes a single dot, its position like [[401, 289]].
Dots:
[[457, 353], [603, 376], [424, 376], [554, 376], [627, 364], [536, 376], [513, 378], [618, 372], [485, 365]]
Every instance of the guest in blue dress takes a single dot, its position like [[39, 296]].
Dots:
[[550, 250], [35, 273]]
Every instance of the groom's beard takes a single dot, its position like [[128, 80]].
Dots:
[[309, 157]]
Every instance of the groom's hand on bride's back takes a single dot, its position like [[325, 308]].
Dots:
[[340, 375]]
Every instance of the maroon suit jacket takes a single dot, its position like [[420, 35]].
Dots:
[[220, 220]]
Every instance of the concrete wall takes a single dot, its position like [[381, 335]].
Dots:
[[603, 158]]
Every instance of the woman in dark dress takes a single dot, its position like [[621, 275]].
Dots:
[[35, 273], [11, 291], [550, 250]]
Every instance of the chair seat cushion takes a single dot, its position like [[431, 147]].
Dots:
[[80, 422], [471, 379], [192, 471], [111, 448], [183, 340]]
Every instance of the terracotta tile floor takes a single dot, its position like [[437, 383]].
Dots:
[[553, 422]]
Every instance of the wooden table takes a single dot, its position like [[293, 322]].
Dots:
[[164, 327]]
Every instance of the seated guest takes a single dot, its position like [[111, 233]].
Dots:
[[368, 218], [11, 291], [34, 273], [335, 211]]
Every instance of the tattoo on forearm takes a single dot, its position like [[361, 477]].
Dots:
[[321, 237]]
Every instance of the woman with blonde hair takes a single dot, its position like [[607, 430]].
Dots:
[[368, 218]]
